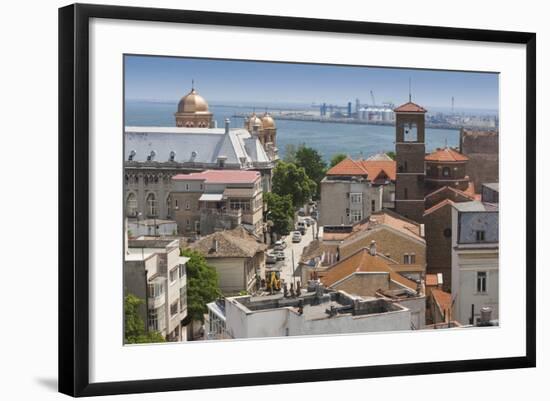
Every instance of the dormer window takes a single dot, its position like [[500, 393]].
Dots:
[[172, 156], [131, 155], [151, 156]]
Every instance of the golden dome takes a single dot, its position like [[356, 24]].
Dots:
[[252, 121], [267, 121], [192, 103]]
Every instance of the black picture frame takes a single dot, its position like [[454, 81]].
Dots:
[[74, 201]]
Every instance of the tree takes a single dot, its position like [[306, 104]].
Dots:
[[134, 327], [280, 212], [202, 284], [290, 153], [337, 158], [313, 164], [391, 154], [289, 179]]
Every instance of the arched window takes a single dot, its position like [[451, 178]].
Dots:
[[446, 171], [151, 205], [131, 205]]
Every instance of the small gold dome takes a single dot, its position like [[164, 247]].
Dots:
[[192, 103], [267, 121], [252, 121]]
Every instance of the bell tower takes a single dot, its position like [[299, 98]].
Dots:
[[410, 152]]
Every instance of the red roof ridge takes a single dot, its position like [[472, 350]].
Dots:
[[410, 107], [438, 206]]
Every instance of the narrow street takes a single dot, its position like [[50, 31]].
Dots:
[[287, 268]]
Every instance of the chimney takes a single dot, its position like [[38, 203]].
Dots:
[[227, 121], [372, 248]]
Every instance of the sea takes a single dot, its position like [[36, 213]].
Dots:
[[354, 140]]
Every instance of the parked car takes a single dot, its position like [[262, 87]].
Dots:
[[280, 255], [296, 237], [270, 258], [280, 245]]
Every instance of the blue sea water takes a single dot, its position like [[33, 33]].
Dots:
[[327, 138]]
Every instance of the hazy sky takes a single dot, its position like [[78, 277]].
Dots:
[[246, 82]]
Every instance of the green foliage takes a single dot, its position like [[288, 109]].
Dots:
[[314, 165], [134, 326], [202, 284], [290, 153], [337, 158], [391, 154], [289, 179], [280, 212]]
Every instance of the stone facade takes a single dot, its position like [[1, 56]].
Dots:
[[481, 147]]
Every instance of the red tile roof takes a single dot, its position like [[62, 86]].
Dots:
[[410, 107], [443, 301], [221, 176], [446, 155], [371, 168]]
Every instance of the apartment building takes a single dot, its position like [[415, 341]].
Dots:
[[215, 200], [155, 272]]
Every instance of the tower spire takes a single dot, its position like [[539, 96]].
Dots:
[[192, 84], [410, 94]]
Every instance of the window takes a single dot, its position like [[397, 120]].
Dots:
[[447, 232], [183, 298], [187, 187], [169, 206], [155, 319], [405, 193], [172, 156], [406, 167], [151, 156], [238, 204], [356, 198], [446, 171], [356, 215], [480, 235], [131, 205], [174, 309], [409, 259], [373, 205], [173, 274], [151, 205], [155, 290], [181, 271], [481, 282], [131, 155], [187, 205]]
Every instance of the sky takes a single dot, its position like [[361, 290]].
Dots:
[[249, 82]]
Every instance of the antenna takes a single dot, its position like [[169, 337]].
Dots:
[[410, 95], [192, 84]]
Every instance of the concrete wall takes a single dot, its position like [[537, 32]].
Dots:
[[231, 273], [280, 322]]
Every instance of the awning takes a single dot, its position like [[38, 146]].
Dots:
[[211, 197]]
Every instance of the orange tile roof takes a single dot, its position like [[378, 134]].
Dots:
[[410, 107], [431, 279], [394, 220], [362, 261], [443, 300], [371, 168], [446, 155]]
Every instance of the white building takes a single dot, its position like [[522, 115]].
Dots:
[[155, 273], [474, 260], [313, 313]]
